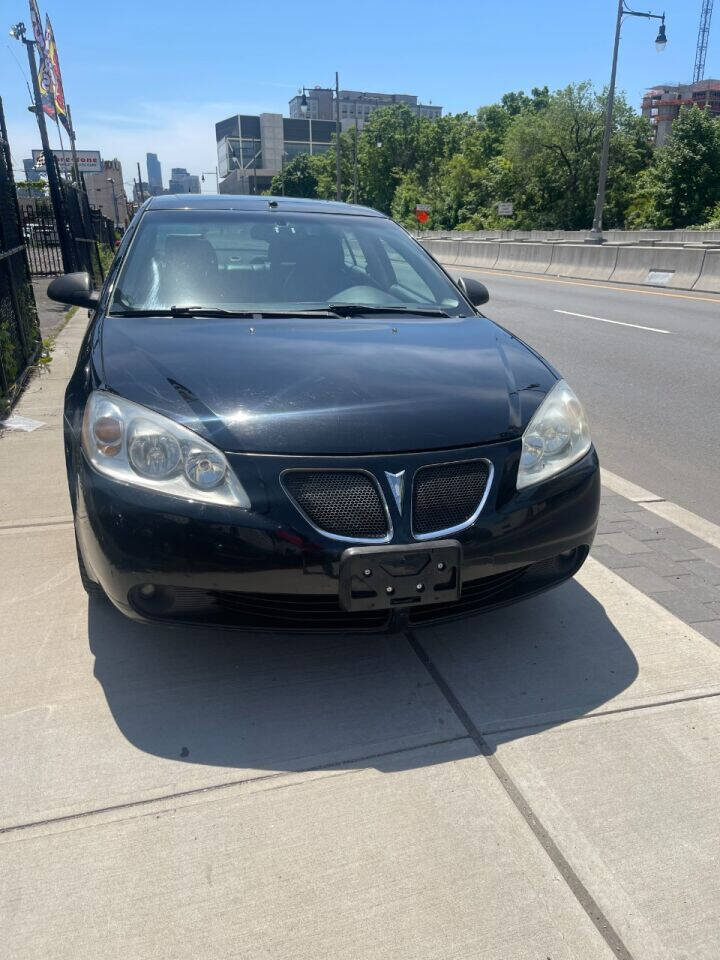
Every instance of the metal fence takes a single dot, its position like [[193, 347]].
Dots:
[[19, 328], [92, 235]]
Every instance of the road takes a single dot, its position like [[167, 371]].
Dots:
[[653, 398]]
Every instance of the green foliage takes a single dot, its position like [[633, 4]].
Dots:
[[539, 151], [682, 185], [299, 178]]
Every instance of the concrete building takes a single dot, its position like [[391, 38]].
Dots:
[[154, 173], [183, 182], [661, 103], [252, 149], [355, 104], [106, 192]]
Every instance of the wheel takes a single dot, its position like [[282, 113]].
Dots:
[[91, 588]]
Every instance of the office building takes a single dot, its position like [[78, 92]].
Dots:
[[154, 173], [106, 192], [183, 182], [355, 105], [252, 149], [661, 103]]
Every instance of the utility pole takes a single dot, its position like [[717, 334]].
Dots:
[[337, 137], [66, 250], [140, 186]]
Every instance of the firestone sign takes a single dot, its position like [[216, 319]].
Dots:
[[88, 160]]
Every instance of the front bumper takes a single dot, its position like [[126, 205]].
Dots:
[[268, 569]]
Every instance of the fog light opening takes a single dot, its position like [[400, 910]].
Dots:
[[151, 599]]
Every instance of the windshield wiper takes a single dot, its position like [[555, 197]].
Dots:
[[358, 309]]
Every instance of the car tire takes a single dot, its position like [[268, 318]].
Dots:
[[91, 588]]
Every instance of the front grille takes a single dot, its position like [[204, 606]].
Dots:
[[446, 495], [344, 503]]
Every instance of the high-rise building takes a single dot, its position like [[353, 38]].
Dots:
[[661, 103], [154, 172], [106, 192], [183, 182]]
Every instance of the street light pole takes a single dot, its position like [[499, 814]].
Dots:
[[623, 10]]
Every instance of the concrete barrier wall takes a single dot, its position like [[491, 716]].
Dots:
[[659, 266], [585, 261], [578, 236], [526, 257], [709, 279], [680, 268], [478, 254]]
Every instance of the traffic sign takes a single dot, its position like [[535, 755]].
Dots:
[[505, 209]]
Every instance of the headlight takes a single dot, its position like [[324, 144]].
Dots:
[[135, 445], [556, 437]]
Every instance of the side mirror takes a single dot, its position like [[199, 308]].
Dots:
[[75, 289], [476, 292]]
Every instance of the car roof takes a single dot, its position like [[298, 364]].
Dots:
[[223, 201]]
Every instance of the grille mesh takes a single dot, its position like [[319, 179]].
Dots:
[[343, 502], [447, 494]]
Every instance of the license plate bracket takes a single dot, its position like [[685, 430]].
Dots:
[[402, 576]]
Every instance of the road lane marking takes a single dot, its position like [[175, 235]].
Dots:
[[619, 323], [672, 512], [580, 283]]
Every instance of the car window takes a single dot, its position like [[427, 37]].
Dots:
[[272, 260]]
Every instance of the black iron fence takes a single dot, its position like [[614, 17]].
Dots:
[[19, 328], [92, 235]]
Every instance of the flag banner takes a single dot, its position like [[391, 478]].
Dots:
[[57, 84], [44, 72]]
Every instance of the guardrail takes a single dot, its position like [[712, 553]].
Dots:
[[678, 268]]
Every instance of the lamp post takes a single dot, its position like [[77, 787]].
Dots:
[[304, 110], [660, 42]]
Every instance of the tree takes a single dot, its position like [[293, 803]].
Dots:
[[298, 179], [682, 187]]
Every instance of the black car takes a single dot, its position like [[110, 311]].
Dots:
[[285, 414]]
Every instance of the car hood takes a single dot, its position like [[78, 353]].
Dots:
[[328, 386]]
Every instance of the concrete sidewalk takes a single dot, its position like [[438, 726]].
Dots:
[[537, 782]]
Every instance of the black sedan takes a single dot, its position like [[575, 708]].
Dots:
[[285, 414]]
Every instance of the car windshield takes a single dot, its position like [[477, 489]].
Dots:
[[275, 261]]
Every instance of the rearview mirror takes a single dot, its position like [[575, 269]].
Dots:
[[75, 289], [476, 292]]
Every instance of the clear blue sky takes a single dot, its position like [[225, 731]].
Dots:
[[156, 75]]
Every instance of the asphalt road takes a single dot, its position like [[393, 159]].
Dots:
[[653, 398]]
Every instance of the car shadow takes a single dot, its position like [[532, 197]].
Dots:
[[279, 702]]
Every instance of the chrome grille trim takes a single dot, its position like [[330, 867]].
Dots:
[[448, 531], [335, 536]]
